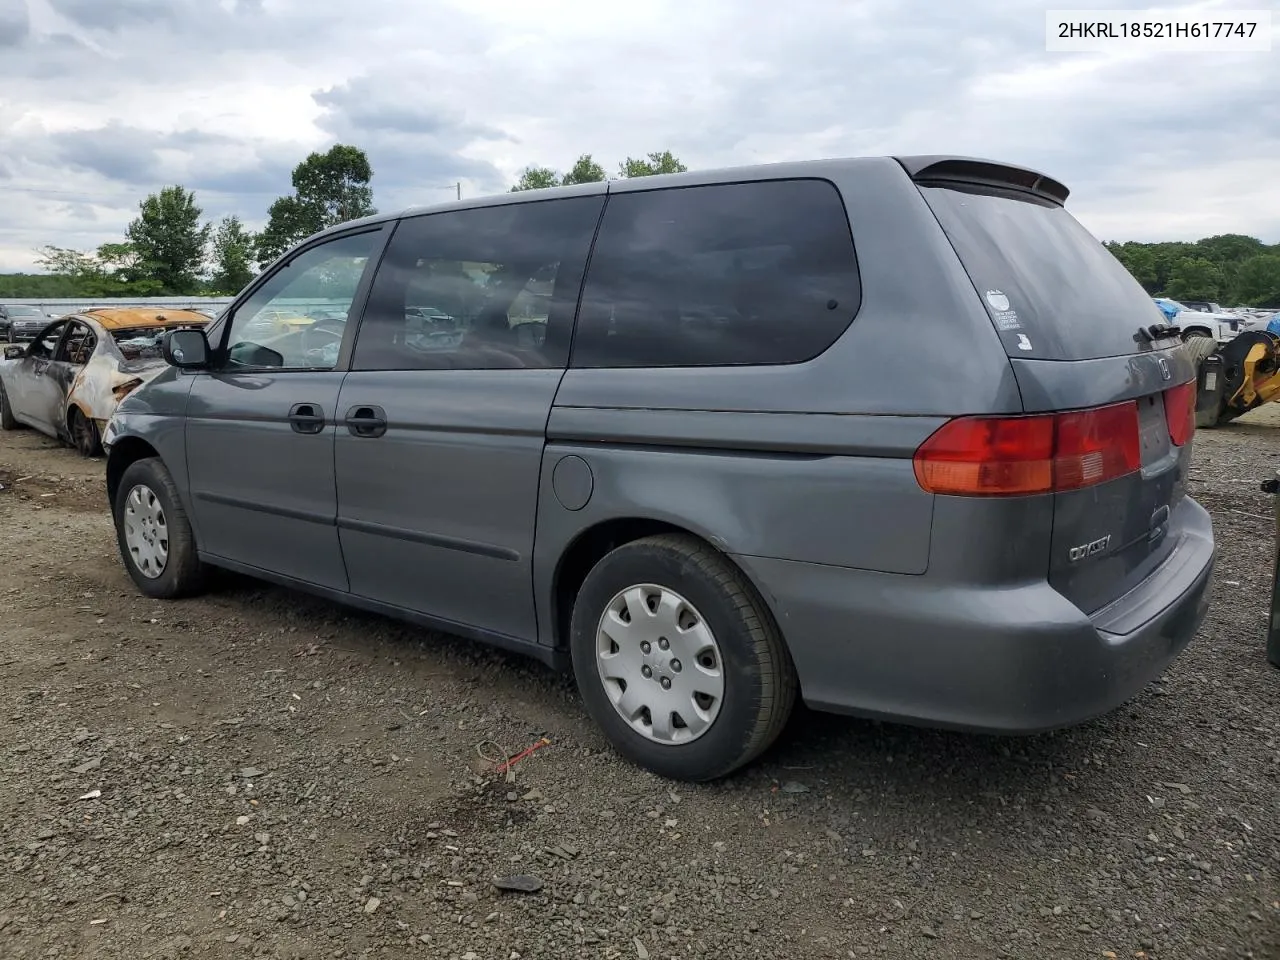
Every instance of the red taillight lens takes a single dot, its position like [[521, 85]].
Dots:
[[1180, 412], [1008, 456], [1096, 445], [989, 456]]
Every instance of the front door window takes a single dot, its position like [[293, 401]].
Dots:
[[297, 318]]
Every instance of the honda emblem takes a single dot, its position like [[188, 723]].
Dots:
[[1164, 369]]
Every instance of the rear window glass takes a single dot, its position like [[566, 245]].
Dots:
[[1052, 290], [745, 273]]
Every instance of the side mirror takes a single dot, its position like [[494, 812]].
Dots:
[[185, 349], [14, 352]]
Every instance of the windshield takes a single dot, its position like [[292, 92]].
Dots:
[[1052, 290]]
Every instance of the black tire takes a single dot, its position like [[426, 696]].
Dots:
[[7, 419], [183, 574], [759, 677], [85, 436], [1190, 334]]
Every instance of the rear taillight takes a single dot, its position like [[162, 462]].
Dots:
[[1180, 412], [1046, 453]]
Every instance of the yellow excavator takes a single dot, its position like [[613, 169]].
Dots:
[[1234, 377]]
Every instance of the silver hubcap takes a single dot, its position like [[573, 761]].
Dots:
[[660, 664], [145, 531]]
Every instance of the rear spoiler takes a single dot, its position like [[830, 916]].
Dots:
[[942, 170]]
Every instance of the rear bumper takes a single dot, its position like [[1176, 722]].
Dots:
[[1008, 659]]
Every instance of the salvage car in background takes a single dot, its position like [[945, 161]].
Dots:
[[68, 380], [20, 321], [1221, 327]]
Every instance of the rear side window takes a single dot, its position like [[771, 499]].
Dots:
[[1052, 290], [745, 273], [479, 289]]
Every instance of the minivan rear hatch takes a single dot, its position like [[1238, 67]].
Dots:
[[1078, 331]]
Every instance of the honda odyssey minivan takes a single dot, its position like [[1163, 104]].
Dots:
[[896, 436]]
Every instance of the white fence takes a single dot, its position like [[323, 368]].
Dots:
[[62, 306]]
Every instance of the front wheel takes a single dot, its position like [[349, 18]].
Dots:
[[678, 659], [154, 535]]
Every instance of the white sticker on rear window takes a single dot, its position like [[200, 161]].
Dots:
[[1005, 316], [1023, 342]]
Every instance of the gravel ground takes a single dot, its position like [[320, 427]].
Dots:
[[257, 773]]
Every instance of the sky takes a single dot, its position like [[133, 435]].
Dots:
[[105, 101]]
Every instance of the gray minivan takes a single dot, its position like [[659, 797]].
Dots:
[[897, 436]]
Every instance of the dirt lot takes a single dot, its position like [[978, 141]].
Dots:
[[281, 777]]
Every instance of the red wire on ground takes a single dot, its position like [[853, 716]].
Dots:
[[504, 767]]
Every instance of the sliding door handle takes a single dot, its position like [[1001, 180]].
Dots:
[[367, 421]]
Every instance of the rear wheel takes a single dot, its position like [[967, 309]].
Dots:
[[7, 419], [153, 533], [678, 659], [1192, 334], [84, 434]]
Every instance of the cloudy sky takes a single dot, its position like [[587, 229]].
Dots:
[[103, 101]]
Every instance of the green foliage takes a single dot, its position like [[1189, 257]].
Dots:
[[1230, 269], [1258, 279], [328, 188], [35, 286], [233, 254], [288, 221], [655, 163], [115, 270], [169, 241], [536, 178], [1196, 279], [1140, 261], [586, 170]]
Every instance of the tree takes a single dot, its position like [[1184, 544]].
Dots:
[[233, 252], [586, 170], [288, 221], [336, 183], [656, 163], [170, 240], [328, 188], [1229, 247], [1257, 280], [65, 262], [536, 178], [115, 270], [1195, 279], [1140, 261]]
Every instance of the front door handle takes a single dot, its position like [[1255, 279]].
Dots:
[[367, 421], [306, 418]]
